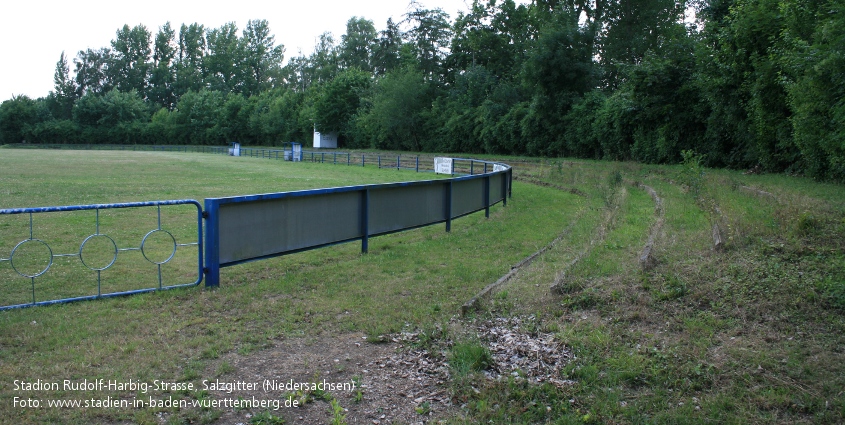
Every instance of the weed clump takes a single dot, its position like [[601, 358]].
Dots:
[[468, 357], [692, 172]]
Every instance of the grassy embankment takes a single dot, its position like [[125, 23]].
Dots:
[[417, 277], [749, 333]]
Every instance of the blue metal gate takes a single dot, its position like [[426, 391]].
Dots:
[[33, 257]]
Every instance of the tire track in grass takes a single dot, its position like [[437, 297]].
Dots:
[[473, 303], [646, 259]]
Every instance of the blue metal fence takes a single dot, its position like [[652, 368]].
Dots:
[[33, 239], [248, 228]]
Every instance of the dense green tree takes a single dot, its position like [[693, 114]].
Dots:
[[559, 70], [817, 96], [357, 45], [752, 82], [338, 100], [296, 75], [113, 108], [428, 37], [629, 29], [262, 59], [493, 35], [669, 112], [274, 117], [163, 73], [18, 116], [742, 71], [91, 67], [222, 65], [385, 54], [196, 117], [130, 61], [64, 89], [189, 63], [455, 116], [394, 118], [323, 63], [61, 131]]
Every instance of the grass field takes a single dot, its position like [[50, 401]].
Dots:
[[749, 333]]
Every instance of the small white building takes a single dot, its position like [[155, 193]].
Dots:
[[325, 140]]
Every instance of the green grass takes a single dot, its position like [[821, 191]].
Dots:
[[754, 333], [751, 334], [179, 334]]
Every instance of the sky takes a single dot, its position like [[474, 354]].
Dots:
[[34, 33]]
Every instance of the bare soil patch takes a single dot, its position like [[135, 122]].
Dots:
[[394, 384]]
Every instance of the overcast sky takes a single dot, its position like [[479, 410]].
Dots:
[[33, 33]]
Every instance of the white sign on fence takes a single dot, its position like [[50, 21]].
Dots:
[[443, 165]]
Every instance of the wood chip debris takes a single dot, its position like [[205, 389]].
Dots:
[[517, 350], [521, 352]]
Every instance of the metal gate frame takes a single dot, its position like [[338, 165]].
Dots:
[[97, 208]]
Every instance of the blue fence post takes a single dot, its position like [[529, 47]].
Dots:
[[510, 182], [347, 158], [212, 243], [363, 158], [487, 196], [471, 167], [379, 161], [504, 190], [397, 161], [418, 163], [365, 220], [449, 206]]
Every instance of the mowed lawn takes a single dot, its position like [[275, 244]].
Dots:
[[418, 277]]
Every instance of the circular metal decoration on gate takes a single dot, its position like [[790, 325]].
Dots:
[[159, 242], [101, 250], [28, 266]]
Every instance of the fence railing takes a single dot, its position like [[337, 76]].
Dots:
[[100, 250], [248, 228], [419, 163], [254, 227]]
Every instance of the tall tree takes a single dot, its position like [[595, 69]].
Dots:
[[189, 64], [429, 35], [385, 54], [816, 59], [18, 116], [493, 35], [630, 28], [64, 89], [560, 71], [339, 99], [323, 63], [296, 74], [91, 71], [395, 119], [356, 46], [163, 75], [223, 64], [131, 59], [262, 58]]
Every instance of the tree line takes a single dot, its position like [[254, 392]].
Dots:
[[743, 83]]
